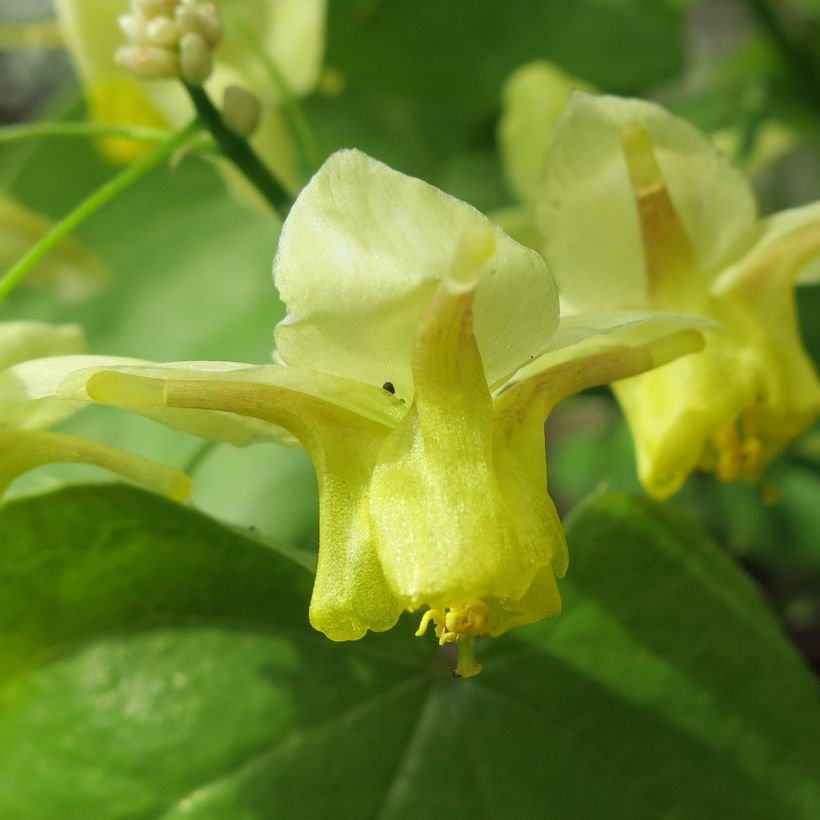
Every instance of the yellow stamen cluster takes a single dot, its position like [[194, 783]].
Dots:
[[170, 38], [738, 450], [454, 623]]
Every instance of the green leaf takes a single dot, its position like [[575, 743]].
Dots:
[[155, 664], [423, 79]]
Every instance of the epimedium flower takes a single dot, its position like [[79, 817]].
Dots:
[[182, 38], [419, 359], [25, 443], [638, 210]]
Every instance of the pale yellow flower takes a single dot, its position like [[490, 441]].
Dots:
[[420, 357]]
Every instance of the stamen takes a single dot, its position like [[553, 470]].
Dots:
[[671, 262], [453, 623], [475, 249], [730, 456], [739, 450], [436, 615]]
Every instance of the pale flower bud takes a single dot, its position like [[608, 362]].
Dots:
[[148, 62], [194, 59], [170, 38], [203, 20], [154, 8], [162, 31], [240, 110], [133, 26]]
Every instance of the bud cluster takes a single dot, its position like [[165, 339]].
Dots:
[[170, 38]]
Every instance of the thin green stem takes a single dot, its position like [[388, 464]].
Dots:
[[93, 203], [198, 456], [307, 145], [79, 130], [239, 151], [90, 130], [750, 127], [797, 58]]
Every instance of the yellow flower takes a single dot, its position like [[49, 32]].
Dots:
[[289, 32], [25, 445], [419, 360], [638, 210]]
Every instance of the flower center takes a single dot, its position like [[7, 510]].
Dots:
[[738, 449], [454, 623]]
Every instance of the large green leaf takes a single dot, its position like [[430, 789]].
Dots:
[[155, 664]]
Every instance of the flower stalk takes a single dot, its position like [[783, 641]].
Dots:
[[238, 150], [89, 206]]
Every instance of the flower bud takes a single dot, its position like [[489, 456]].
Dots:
[[170, 38], [162, 31], [153, 8], [240, 110], [195, 59], [133, 26], [148, 62]]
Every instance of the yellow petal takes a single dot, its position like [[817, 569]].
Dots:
[[24, 451], [587, 209], [350, 593], [532, 100], [461, 523], [33, 340], [359, 259]]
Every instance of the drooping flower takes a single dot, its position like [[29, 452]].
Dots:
[[638, 210], [287, 33], [25, 443], [410, 319]]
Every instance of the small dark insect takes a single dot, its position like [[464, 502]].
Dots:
[[388, 386]]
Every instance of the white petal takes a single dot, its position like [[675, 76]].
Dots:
[[359, 257]]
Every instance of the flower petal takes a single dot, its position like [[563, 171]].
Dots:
[[351, 594], [34, 340], [39, 393], [24, 451], [586, 334], [292, 34], [532, 100], [786, 249], [587, 210], [359, 258], [457, 516]]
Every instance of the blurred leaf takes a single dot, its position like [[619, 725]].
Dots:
[[423, 79], [192, 280], [156, 664], [69, 270]]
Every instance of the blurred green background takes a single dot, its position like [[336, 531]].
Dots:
[[611, 690]]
